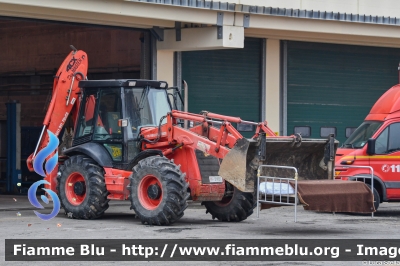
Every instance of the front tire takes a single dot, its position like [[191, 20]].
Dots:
[[81, 188], [158, 191], [235, 207]]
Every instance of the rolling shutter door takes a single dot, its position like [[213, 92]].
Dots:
[[225, 81], [330, 85]]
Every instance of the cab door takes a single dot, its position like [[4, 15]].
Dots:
[[386, 160]]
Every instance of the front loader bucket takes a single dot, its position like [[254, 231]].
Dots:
[[235, 167], [313, 158]]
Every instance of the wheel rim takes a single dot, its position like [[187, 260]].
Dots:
[[150, 192], [224, 202], [75, 188]]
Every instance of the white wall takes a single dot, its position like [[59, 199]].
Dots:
[[165, 66], [272, 84]]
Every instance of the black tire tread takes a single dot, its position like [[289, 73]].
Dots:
[[240, 207], [174, 204], [97, 202]]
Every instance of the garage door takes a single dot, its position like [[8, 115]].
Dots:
[[225, 81], [333, 87]]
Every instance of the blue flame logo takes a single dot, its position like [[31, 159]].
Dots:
[[49, 167], [42, 155], [32, 198]]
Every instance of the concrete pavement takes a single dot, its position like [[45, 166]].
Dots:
[[119, 222]]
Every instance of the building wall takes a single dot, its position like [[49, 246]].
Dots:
[[31, 52], [34, 46], [273, 28]]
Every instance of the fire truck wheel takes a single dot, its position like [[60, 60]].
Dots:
[[377, 198], [234, 208], [81, 188], [158, 191]]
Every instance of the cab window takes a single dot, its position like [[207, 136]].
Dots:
[[86, 120], [394, 140], [109, 113], [388, 141], [381, 142]]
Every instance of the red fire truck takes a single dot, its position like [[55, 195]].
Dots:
[[376, 143]]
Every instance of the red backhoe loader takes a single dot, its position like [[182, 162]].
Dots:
[[129, 143]]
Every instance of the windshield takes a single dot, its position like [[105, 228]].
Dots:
[[361, 135], [145, 107]]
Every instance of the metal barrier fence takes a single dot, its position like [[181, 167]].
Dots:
[[280, 198], [358, 178], [277, 198]]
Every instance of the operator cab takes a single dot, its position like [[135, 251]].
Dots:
[[112, 112]]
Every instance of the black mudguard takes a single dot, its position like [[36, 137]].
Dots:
[[93, 150], [141, 155]]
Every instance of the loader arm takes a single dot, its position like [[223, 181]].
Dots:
[[226, 143], [64, 100], [169, 134], [241, 156], [260, 126]]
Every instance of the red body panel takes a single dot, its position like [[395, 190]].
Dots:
[[186, 158], [386, 166], [387, 106], [117, 182]]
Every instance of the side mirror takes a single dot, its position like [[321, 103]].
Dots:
[[371, 146]]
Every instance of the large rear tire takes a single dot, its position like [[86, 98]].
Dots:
[[81, 188], [158, 191], [234, 207]]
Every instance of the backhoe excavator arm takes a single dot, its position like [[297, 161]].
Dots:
[[64, 100]]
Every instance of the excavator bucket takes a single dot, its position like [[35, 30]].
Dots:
[[313, 158]]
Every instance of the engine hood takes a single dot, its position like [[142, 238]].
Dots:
[[347, 154]]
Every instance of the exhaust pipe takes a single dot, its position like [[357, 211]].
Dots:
[[185, 102]]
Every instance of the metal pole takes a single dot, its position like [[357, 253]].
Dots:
[[185, 101], [372, 185], [263, 78], [40, 138], [295, 198], [258, 193], [13, 146]]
